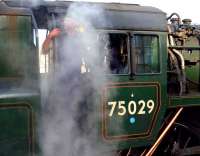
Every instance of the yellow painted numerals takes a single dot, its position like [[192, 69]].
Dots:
[[133, 107]]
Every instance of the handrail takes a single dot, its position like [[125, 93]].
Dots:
[[185, 47]]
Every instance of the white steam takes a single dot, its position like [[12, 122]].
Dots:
[[68, 127]]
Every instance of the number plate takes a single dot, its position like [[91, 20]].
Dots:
[[129, 110]]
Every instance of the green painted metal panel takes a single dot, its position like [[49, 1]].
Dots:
[[19, 102], [14, 130], [192, 72], [18, 57], [192, 97], [184, 101], [15, 30], [18, 123], [120, 132], [134, 114]]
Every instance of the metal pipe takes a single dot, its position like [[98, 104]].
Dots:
[[129, 152], [179, 19], [143, 153], [171, 41], [55, 53], [173, 15], [181, 57], [183, 81], [158, 141]]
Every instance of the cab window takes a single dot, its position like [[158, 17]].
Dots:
[[15, 42], [116, 53], [146, 49]]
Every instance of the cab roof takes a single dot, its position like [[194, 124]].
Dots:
[[118, 15]]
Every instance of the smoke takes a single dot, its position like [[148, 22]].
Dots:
[[69, 122]]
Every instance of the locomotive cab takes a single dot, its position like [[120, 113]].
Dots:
[[116, 77], [132, 90]]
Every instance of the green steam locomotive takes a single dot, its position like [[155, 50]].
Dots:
[[147, 102]]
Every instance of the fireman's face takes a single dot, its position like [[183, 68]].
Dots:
[[71, 26]]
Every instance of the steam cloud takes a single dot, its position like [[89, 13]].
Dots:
[[69, 125]]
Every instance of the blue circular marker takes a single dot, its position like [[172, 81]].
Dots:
[[132, 120]]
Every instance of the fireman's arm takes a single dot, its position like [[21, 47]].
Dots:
[[53, 34], [70, 26]]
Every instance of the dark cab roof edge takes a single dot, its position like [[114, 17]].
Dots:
[[120, 16], [7, 10]]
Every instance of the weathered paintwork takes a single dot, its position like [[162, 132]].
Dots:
[[19, 85], [192, 72], [18, 122], [192, 98], [19, 108], [117, 129]]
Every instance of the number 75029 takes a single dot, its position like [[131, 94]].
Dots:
[[141, 107]]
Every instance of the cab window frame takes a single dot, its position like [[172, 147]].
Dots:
[[133, 53], [125, 32]]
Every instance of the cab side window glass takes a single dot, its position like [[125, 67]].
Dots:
[[116, 53], [15, 32], [146, 48]]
